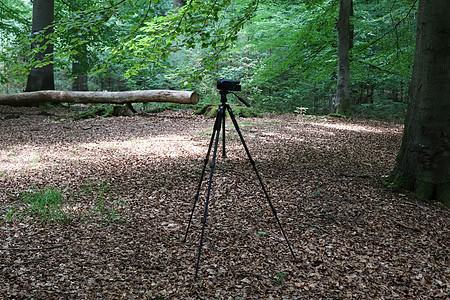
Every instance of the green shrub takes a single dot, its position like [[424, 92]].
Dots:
[[381, 110]]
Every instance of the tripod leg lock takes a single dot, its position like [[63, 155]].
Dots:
[[203, 220]]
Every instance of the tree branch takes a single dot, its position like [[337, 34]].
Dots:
[[33, 249], [395, 25]]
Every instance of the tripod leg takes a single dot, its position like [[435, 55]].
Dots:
[[220, 115], [217, 125], [259, 178], [224, 154]]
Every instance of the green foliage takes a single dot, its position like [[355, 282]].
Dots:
[[338, 115], [279, 276], [15, 19], [295, 43], [208, 26], [293, 47], [284, 52], [382, 110], [384, 45], [158, 107]]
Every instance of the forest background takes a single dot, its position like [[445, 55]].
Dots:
[[284, 52], [124, 185]]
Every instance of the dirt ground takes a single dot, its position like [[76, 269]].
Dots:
[[128, 186]]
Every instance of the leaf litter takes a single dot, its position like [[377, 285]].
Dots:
[[129, 184]]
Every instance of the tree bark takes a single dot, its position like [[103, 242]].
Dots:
[[42, 78], [423, 162], [182, 97], [342, 100], [80, 81], [80, 66], [179, 3]]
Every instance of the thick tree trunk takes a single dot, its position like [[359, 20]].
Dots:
[[342, 100], [423, 162], [42, 78], [182, 97]]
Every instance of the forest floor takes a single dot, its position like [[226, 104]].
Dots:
[[128, 185]]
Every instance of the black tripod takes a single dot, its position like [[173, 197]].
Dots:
[[220, 122]]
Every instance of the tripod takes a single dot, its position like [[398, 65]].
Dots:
[[220, 122]]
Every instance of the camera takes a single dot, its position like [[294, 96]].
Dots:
[[228, 85]]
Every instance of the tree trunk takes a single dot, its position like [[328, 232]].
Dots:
[[80, 66], [80, 81], [179, 3], [182, 97], [342, 100], [41, 78], [423, 162]]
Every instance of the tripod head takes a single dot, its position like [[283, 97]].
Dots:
[[227, 86], [223, 97]]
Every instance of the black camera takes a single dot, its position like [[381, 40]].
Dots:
[[228, 85]]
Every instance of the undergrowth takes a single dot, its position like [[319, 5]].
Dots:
[[381, 109], [210, 111], [93, 202], [386, 110]]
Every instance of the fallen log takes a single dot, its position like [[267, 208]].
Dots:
[[28, 98]]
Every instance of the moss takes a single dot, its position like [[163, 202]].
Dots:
[[398, 180], [424, 188], [205, 109], [99, 110], [443, 193], [102, 110], [212, 113], [245, 112]]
